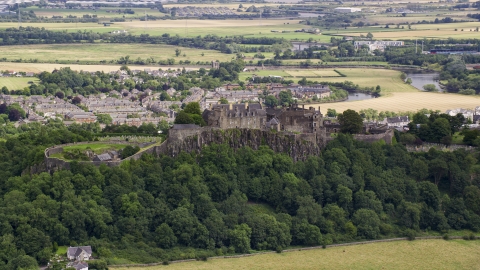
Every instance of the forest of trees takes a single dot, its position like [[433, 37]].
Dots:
[[222, 201]]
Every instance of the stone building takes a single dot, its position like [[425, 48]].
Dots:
[[243, 115], [253, 116], [297, 119]]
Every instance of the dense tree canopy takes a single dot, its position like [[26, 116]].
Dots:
[[221, 201]]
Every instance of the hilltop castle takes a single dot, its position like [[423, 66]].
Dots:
[[255, 116]]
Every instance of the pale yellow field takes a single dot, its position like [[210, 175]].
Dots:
[[407, 101], [446, 30], [229, 5], [418, 254], [202, 23], [29, 67]]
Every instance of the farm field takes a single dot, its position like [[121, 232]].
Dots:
[[190, 28], [84, 53], [418, 31], [311, 73], [407, 101], [418, 254], [14, 83], [388, 79], [100, 12], [40, 67]]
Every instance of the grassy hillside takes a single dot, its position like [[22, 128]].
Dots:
[[419, 254]]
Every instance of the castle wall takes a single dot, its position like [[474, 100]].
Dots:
[[251, 122], [297, 145]]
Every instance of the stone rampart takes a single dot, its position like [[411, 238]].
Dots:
[[297, 145], [53, 164]]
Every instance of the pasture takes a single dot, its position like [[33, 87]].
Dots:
[[407, 101], [418, 254], [93, 53], [14, 83], [40, 67]]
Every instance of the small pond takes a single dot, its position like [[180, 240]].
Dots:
[[419, 79]]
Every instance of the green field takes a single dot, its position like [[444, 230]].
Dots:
[[418, 254], [14, 83], [190, 28], [388, 79], [88, 53]]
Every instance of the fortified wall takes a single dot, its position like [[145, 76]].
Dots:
[[296, 131]]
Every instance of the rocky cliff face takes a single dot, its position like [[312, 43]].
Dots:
[[298, 146]]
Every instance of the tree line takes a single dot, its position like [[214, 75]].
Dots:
[[221, 201]]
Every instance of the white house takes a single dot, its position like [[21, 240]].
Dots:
[[396, 122], [83, 253], [347, 10], [468, 114]]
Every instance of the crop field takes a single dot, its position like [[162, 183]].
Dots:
[[100, 12], [191, 28], [40, 67], [407, 101], [84, 53], [14, 83], [441, 31], [418, 254]]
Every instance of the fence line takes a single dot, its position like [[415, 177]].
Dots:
[[289, 250]]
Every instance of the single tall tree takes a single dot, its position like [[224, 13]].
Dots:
[[350, 121]]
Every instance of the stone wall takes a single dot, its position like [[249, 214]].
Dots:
[[54, 164], [387, 137], [297, 145]]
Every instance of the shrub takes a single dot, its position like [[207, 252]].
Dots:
[[446, 237], [410, 234]]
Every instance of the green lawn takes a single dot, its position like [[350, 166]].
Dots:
[[14, 83], [62, 250], [97, 148]]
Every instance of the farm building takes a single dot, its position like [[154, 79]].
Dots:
[[347, 10], [377, 44]]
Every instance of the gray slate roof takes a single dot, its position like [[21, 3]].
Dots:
[[75, 251]]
